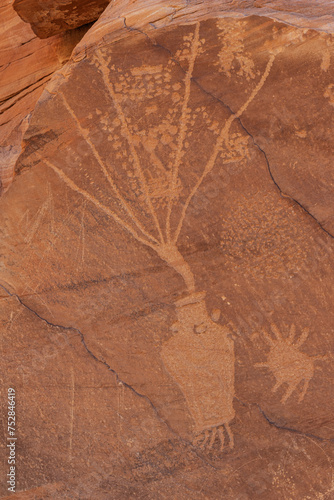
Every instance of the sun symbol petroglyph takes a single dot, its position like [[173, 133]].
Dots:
[[149, 182], [287, 363]]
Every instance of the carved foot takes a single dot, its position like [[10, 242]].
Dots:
[[206, 439]]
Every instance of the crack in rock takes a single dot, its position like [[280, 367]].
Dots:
[[92, 355], [118, 379], [290, 429], [21, 91], [282, 193]]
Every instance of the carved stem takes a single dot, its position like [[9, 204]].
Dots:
[[185, 115], [223, 137], [171, 255]]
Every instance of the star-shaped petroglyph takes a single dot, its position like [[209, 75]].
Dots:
[[287, 363]]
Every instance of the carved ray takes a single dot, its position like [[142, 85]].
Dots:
[[223, 136], [109, 85], [276, 331], [262, 365], [98, 204], [124, 204], [183, 124], [292, 386], [302, 395], [292, 334], [303, 337], [268, 338]]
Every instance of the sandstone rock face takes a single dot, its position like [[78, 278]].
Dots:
[[27, 64], [154, 14], [167, 279], [53, 17]]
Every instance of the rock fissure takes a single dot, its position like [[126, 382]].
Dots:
[[283, 194], [117, 377], [136, 125], [290, 429], [93, 356], [193, 79]]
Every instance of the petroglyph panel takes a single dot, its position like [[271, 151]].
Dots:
[[154, 246]]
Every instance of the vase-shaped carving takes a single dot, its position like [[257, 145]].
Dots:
[[200, 357]]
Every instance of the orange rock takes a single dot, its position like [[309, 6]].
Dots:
[[27, 64], [52, 17], [167, 280]]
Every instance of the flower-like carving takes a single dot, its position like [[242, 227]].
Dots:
[[287, 363]]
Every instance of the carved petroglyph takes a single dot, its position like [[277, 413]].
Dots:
[[185, 116], [287, 363], [200, 357], [162, 239], [41, 214], [329, 93], [326, 54], [232, 56], [151, 161]]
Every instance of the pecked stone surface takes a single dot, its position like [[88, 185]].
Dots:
[[166, 293]]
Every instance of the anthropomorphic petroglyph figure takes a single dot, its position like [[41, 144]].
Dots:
[[200, 357]]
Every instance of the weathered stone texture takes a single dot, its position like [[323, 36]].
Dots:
[[51, 17], [27, 64], [167, 278]]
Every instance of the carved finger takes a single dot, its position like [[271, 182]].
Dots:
[[221, 437]]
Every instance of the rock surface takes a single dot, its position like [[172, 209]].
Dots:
[[53, 17], [27, 64], [167, 284]]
